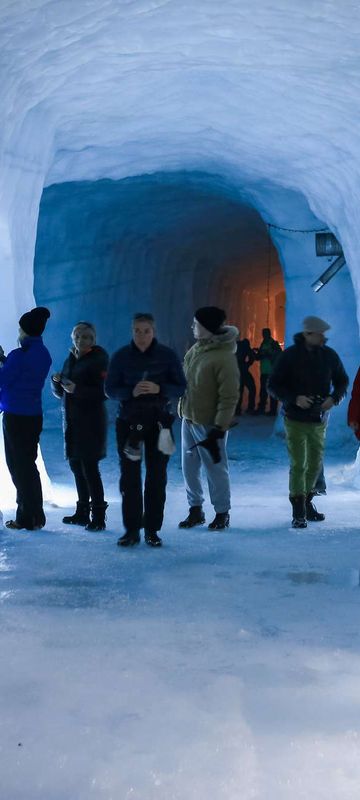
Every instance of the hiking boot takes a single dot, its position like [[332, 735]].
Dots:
[[81, 515], [195, 516], [220, 521], [152, 539], [312, 514], [98, 517], [13, 525], [129, 539], [299, 511]]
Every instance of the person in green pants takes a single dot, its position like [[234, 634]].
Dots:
[[309, 379]]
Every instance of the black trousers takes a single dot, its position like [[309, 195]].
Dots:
[[21, 439], [88, 480], [264, 379], [247, 381], [142, 509]]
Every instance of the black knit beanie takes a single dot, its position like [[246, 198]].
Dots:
[[34, 321], [211, 318]]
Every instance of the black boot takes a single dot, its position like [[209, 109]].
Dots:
[[312, 514], [152, 539], [129, 539], [98, 517], [299, 511], [220, 522], [195, 516], [81, 516]]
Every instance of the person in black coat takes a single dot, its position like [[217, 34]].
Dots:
[[245, 358], [80, 384], [144, 376], [309, 379]]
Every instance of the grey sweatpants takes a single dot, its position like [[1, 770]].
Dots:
[[217, 474]]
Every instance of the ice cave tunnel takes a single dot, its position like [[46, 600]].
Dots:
[[160, 157]]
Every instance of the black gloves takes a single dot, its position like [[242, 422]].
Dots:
[[211, 443], [215, 433]]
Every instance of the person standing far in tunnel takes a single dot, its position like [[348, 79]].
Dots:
[[207, 409], [353, 416], [144, 376], [267, 354], [80, 385], [22, 376], [245, 358], [309, 379]]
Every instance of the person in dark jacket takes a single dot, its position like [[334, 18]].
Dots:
[[267, 354], [22, 376], [245, 358], [80, 384], [309, 379], [144, 376], [353, 416]]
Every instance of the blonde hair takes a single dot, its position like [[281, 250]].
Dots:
[[88, 325]]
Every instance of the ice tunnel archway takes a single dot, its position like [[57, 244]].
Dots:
[[172, 241], [169, 243]]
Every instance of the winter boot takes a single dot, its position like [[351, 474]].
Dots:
[[81, 516], [220, 522], [299, 511], [13, 525], [196, 516], [98, 518], [312, 514], [129, 539], [152, 539]]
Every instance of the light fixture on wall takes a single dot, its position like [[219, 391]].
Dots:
[[327, 245]]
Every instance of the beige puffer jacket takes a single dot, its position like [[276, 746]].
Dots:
[[212, 376]]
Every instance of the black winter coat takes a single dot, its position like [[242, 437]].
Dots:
[[84, 413], [317, 372], [129, 365], [245, 356]]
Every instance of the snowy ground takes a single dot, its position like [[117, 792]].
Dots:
[[222, 667]]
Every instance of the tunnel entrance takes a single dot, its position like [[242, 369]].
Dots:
[[168, 243]]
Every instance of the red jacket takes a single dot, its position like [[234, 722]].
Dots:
[[354, 405]]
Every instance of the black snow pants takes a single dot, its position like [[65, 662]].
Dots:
[[142, 510], [21, 439], [88, 480], [247, 381]]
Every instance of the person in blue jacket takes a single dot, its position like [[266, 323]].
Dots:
[[144, 376], [22, 376]]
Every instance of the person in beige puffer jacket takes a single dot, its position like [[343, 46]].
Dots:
[[207, 409]]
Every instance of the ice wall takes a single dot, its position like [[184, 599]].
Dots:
[[262, 97]]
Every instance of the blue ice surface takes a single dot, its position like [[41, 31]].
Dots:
[[160, 673]]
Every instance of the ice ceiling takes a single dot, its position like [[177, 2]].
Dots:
[[255, 105]]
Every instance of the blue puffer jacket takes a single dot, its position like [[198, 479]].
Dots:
[[22, 377]]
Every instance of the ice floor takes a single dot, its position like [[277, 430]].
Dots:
[[222, 667]]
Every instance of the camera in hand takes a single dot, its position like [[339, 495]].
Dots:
[[316, 410]]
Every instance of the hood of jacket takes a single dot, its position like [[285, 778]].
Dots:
[[227, 340]]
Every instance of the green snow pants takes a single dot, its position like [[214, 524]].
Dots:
[[305, 443]]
